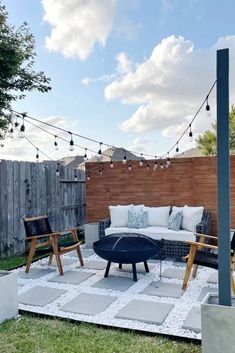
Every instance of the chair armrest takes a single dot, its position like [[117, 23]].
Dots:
[[203, 245], [206, 236], [103, 224]]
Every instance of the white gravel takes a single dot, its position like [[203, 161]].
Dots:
[[171, 326]]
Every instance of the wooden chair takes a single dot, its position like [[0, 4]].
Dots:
[[200, 254], [43, 240]]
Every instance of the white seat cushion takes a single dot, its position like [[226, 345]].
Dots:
[[155, 233]]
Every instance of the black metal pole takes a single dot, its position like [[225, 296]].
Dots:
[[223, 177]]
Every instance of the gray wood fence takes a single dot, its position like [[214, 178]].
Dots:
[[31, 189]]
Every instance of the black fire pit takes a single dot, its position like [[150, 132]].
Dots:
[[127, 248]]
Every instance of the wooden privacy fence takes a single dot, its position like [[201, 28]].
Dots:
[[31, 189]]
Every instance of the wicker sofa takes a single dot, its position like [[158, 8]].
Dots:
[[173, 249]]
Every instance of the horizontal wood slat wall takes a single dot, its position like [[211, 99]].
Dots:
[[191, 181], [30, 189]]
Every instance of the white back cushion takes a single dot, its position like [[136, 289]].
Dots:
[[191, 217], [158, 216], [119, 215]]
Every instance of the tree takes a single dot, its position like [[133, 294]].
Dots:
[[17, 57], [207, 142]]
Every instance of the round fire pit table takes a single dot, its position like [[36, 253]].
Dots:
[[127, 248]]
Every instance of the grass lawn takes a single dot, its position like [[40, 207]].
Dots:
[[35, 335]]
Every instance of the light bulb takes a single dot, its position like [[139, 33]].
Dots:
[[162, 166], [22, 131], [57, 173], [129, 167], [11, 132], [2, 144], [88, 177], [111, 164], [124, 160], [37, 157], [155, 166], [141, 163], [168, 162], [147, 166]]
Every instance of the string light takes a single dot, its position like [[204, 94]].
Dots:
[[162, 166], [37, 157], [177, 147], [2, 144], [190, 134], [124, 159], [141, 161], [111, 162], [75, 175], [208, 106], [147, 166], [129, 166], [56, 143], [71, 143], [155, 164], [168, 161], [85, 154], [57, 170], [22, 129], [100, 151], [88, 177], [101, 168]]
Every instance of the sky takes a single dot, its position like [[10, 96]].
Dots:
[[129, 73]]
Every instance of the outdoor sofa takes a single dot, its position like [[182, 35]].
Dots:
[[174, 245]]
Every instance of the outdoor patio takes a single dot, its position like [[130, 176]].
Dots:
[[151, 304]]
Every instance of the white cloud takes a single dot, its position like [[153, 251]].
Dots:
[[124, 64], [77, 25], [139, 144], [170, 85]]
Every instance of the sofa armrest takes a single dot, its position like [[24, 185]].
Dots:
[[204, 227], [103, 224]]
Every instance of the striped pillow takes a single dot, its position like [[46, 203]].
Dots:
[[119, 215], [191, 217]]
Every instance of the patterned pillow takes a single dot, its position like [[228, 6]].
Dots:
[[175, 220], [137, 219]]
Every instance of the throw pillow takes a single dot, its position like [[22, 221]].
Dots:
[[137, 219], [158, 216], [191, 217], [119, 215], [175, 220]]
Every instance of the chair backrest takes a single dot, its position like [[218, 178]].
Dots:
[[37, 226]]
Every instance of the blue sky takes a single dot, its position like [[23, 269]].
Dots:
[[128, 72]]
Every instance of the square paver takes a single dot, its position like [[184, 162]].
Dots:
[[206, 290], [73, 277], [88, 304], [162, 289], [193, 320], [40, 296], [213, 278], [66, 261], [139, 267], [145, 311], [95, 265], [177, 273], [35, 273], [114, 283]]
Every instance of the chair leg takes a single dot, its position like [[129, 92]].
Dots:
[[80, 256], [57, 255], [31, 254], [50, 259], [191, 257], [195, 268]]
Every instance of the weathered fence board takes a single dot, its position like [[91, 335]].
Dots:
[[30, 189]]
